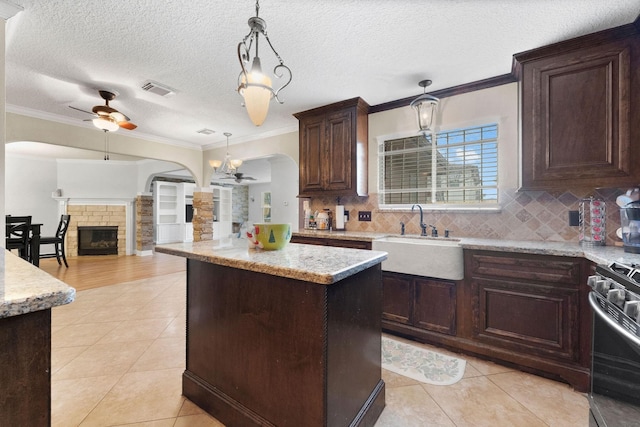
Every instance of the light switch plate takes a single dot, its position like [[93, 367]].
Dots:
[[364, 215]]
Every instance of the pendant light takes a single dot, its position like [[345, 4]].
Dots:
[[229, 165], [253, 85], [425, 106]]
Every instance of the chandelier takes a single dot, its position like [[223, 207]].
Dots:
[[425, 105], [228, 166], [254, 86]]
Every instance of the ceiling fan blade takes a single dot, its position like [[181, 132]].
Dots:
[[80, 109], [127, 125], [250, 178]]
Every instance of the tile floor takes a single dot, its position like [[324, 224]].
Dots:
[[118, 356]]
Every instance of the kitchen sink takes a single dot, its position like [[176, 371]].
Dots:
[[423, 256]]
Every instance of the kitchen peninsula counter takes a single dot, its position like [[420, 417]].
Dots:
[[27, 295], [287, 338]]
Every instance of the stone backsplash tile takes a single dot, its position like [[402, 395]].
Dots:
[[524, 215]]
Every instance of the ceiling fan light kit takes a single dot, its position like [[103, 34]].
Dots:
[[105, 123], [253, 85], [107, 118]]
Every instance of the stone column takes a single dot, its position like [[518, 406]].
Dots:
[[144, 224], [202, 214]]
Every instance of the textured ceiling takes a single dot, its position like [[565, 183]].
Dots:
[[60, 52]]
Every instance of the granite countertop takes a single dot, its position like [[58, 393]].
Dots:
[[363, 236], [25, 288], [309, 263], [598, 254]]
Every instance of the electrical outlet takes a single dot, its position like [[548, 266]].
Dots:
[[574, 218], [364, 215]]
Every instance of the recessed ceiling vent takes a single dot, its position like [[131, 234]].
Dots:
[[158, 88], [206, 131]]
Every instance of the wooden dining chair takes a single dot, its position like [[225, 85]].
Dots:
[[57, 241], [17, 231]]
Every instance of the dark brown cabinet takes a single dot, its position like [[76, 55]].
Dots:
[[580, 113], [333, 149], [411, 302], [324, 241], [25, 357], [530, 310]]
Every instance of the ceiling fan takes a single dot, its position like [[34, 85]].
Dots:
[[239, 177], [108, 118]]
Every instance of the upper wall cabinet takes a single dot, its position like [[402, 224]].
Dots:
[[333, 149], [580, 112]]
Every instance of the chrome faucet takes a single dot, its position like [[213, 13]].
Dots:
[[423, 226]]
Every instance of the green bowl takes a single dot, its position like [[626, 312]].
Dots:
[[272, 237]]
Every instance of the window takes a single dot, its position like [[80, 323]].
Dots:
[[463, 171]]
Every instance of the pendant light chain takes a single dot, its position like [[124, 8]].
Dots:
[[106, 145]]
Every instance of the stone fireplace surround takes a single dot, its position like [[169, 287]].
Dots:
[[98, 212]]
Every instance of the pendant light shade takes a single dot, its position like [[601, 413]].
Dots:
[[257, 93]]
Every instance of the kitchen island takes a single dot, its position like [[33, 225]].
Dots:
[[287, 338], [27, 295]]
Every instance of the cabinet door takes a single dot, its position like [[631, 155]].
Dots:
[[576, 127], [435, 305], [527, 318], [397, 298], [340, 140], [312, 153]]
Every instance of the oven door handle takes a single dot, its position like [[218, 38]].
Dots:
[[593, 301]]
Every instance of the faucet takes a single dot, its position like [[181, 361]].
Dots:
[[423, 226], [434, 231], [401, 228]]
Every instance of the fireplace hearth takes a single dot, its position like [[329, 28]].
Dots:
[[98, 240]]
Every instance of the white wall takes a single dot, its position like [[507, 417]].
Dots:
[[97, 179], [255, 201], [284, 191], [29, 184], [494, 105]]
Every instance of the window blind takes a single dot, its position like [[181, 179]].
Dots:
[[464, 170]]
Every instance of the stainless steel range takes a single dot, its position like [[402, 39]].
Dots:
[[615, 373]]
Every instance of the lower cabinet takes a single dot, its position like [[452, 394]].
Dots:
[[419, 302], [526, 311]]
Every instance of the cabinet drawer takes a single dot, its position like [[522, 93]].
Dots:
[[340, 243], [549, 269]]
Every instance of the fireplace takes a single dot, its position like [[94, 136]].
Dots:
[[94, 240]]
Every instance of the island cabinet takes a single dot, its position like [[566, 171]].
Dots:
[[27, 296], [284, 338], [25, 377], [333, 149], [529, 310], [580, 115], [412, 303]]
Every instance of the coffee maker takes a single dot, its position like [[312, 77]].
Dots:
[[630, 222]]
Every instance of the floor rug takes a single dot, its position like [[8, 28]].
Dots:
[[421, 364]]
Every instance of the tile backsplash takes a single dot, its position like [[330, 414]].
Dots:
[[524, 215]]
